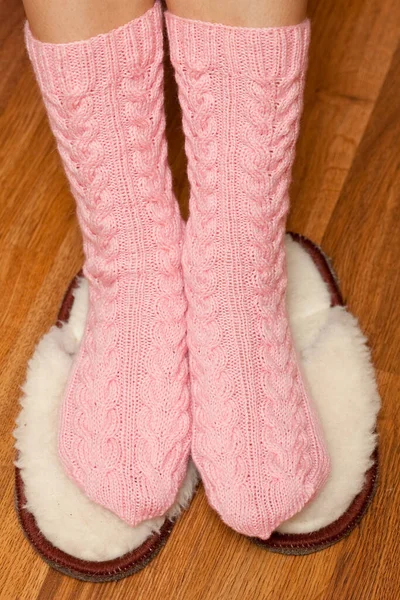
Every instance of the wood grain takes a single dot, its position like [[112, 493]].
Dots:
[[345, 195]]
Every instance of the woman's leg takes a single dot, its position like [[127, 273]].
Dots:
[[242, 13], [124, 432], [62, 21], [255, 438]]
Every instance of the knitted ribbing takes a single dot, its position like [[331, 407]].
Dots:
[[124, 425], [255, 438]]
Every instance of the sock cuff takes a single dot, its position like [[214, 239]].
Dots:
[[80, 67], [261, 53]]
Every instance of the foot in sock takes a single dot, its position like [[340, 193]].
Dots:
[[124, 426], [256, 440]]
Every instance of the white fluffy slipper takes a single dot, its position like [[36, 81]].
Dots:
[[73, 534], [88, 542], [337, 366]]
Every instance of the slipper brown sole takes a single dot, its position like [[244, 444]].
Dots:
[[307, 543], [109, 570]]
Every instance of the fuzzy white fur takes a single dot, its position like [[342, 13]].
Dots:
[[340, 376], [337, 367], [63, 513]]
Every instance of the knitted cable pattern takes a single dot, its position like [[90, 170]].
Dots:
[[212, 389], [124, 425], [267, 192], [95, 419], [161, 385], [255, 439]]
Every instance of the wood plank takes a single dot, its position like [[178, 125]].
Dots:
[[364, 230], [352, 45]]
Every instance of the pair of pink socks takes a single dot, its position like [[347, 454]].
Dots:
[[160, 293]]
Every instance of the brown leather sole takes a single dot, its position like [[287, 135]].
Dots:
[[109, 570], [307, 543]]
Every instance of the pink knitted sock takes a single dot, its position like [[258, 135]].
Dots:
[[124, 425], [255, 441]]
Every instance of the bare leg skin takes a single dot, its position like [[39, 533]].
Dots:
[[63, 21], [242, 13]]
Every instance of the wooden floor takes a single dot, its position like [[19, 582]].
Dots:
[[345, 196]]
